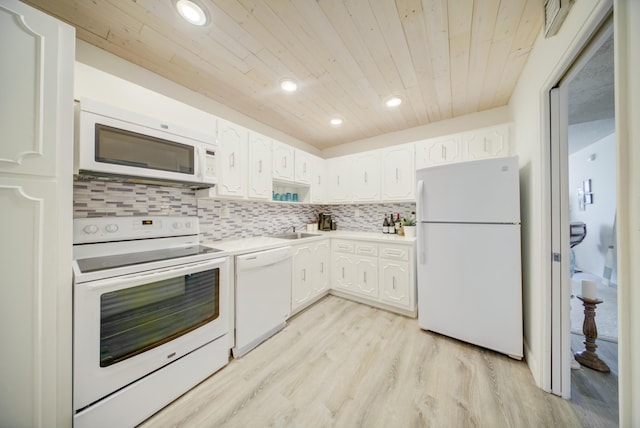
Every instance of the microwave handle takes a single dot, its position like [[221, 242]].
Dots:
[[132, 280], [199, 158]]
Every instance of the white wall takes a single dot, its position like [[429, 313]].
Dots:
[[599, 216], [547, 62]]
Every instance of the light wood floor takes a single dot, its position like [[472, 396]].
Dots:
[[594, 395], [343, 364]]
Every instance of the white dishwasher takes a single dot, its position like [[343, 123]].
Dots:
[[263, 296]]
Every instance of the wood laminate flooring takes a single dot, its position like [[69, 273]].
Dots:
[[594, 395], [343, 364]]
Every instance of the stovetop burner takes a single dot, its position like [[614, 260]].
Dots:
[[95, 264]]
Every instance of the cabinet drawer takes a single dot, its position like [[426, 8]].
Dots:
[[343, 246], [395, 252], [366, 249]]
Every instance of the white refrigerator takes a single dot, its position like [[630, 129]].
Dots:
[[469, 264]]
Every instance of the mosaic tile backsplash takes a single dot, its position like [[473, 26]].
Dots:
[[246, 218]]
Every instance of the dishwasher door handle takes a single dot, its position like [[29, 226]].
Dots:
[[263, 258]]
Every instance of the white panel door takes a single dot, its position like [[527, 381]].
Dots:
[[232, 160], [394, 283], [29, 79], [36, 189], [302, 277], [488, 142], [260, 178], [339, 176], [436, 151], [398, 173], [365, 178], [366, 278], [343, 271], [283, 161], [321, 276], [318, 181], [303, 167]]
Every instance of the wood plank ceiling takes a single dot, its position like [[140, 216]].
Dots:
[[444, 58]]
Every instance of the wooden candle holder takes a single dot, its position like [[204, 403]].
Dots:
[[588, 356]]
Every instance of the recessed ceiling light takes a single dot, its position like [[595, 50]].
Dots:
[[336, 121], [288, 85], [191, 11], [394, 101]]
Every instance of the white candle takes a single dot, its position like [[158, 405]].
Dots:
[[588, 289]]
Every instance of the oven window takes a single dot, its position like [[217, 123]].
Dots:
[[137, 319], [128, 148]]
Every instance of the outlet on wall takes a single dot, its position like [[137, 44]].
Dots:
[[224, 211]]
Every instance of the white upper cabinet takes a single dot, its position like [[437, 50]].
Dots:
[[36, 192], [478, 144], [303, 167], [365, 177], [29, 75], [318, 180], [398, 173], [487, 142], [339, 179], [439, 150], [232, 161], [283, 161], [260, 179]]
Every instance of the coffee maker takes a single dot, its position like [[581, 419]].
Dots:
[[324, 221]]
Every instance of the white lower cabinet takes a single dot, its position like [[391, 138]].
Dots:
[[366, 280], [343, 270], [373, 273], [394, 283], [310, 276]]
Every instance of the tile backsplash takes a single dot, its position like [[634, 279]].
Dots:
[[95, 198]]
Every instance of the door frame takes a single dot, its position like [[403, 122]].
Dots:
[[559, 290]]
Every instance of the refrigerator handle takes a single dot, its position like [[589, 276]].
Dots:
[[422, 256], [420, 200]]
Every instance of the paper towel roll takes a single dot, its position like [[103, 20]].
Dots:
[[588, 289]]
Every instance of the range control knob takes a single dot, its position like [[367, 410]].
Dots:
[[177, 225], [188, 225], [111, 228], [90, 229]]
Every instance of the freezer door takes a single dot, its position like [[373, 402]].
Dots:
[[484, 191], [469, 284]]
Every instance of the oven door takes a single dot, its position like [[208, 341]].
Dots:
[[126, 327]]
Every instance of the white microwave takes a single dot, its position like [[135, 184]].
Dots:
[[120, 145]]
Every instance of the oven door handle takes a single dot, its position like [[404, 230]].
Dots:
[[139, 278]]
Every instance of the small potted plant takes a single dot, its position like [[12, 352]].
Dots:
[[409, 226]]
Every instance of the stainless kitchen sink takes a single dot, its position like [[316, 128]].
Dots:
[[296, 235]]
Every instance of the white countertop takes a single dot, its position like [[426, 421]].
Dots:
[[261, 243]]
